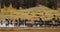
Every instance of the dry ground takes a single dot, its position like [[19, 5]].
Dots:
[[16, 29]]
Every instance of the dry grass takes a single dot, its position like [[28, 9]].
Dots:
[[31, 13]]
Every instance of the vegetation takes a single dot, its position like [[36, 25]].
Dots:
[[28, 3]]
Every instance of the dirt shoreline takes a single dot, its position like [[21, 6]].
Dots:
[[18, 29]]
